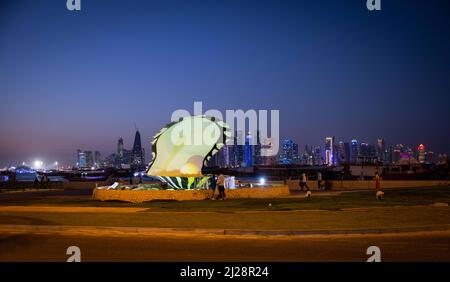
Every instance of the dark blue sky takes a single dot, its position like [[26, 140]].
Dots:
[[73, 80]]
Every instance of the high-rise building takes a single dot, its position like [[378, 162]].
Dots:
[[367, 153], [381, 150], [238, 149], [289, 153], [306, 158], [343, 152], [347, 152], [221, 158], [354, 151], [97, 159], [270, 157], [111, 160], [89, 158], [81, 159], [329, 151], [257, 158], [430, 157], [318, 159], [248, 150], [120, 151], [389, 155], [396, 153], [421, 153], [137, 153]]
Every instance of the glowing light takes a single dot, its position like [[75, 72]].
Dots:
[[38, 164], [262, 181], [189, 169]]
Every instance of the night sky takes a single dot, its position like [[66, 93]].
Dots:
[[72, 80]]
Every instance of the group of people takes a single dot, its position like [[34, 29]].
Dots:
[[218, 182], [42, 181], [304, 183], [320, 185]]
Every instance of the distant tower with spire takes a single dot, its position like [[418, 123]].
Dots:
[[137, 153]]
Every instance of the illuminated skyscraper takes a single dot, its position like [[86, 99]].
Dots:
[[81, 159], [318, 157], [329, 151], [398, 149], [248, 150], [354, 151], [381, 150], [289, 152], [421, 155]]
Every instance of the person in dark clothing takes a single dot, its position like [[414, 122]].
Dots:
[[44, 181], [221, 186], [319, 181], [213, 186], [131, 178]]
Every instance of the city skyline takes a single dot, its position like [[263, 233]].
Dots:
[[110, 157], [332, 69]]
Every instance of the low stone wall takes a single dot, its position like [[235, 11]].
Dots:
[[370, 184], [83, 184], [140, 196], [259, 192]]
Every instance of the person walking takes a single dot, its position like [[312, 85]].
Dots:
[[213, 185], [319, 181], [44, 181], [378, 193], [36, 182], [303, 180], [221, 186]]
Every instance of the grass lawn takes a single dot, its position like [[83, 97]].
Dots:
[[403, 197], [401, 208]]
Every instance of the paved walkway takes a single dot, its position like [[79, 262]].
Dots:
[[266, 223], [424, 246], [152, 231], [59, 209]]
